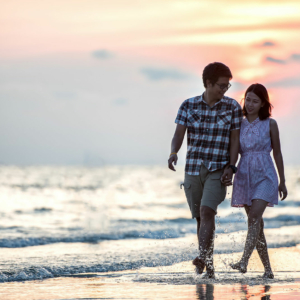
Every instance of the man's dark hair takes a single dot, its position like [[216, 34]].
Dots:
[[214, 71], [260, 91]]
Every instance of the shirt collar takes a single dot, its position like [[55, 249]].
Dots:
[[201, 99]]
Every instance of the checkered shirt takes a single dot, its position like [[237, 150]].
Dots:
[[208, 131]]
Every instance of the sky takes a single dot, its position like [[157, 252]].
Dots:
[[99, 82]]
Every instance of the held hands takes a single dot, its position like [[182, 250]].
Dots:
[[226, 178], [172, 159], [282, 191]]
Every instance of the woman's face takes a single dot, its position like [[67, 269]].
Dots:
[[253, 104]]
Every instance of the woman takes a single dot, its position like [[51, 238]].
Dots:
[[256, 184]]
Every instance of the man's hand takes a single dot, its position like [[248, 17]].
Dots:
[[173, 159], [226, 178], [176, 144]]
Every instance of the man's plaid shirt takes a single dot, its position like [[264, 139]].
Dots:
[[208, 131]]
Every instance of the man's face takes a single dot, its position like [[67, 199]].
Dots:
[[219, 88]]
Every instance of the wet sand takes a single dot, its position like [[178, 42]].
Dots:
[[94, 288], [172, 282]]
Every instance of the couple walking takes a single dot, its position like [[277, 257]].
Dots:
[[218, 129]]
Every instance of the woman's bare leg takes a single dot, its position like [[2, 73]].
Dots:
[[254, 236], [262, 249]]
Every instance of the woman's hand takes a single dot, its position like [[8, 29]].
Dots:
[[282, 191]]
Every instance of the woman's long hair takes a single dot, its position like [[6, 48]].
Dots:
[[260, 91]]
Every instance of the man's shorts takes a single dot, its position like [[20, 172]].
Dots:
[[204, 189]]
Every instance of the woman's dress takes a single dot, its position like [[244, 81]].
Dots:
[[256, 177]]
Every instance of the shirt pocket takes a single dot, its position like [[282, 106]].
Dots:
[[224, 118], [194, 118]]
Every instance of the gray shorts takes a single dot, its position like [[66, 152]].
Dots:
[[204, 189]]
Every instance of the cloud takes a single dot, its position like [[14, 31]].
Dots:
[[64, 94], [275, 60], [120, 101], [103, 54], [267, 44], [295, 56], [285, 82], [161, 74], [238, 86]]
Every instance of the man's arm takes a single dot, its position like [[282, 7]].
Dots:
[[176, 145], [233, 152], [234, 146]]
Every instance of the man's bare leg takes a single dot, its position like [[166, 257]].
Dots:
[[209, 261], [254, 231], [205, 237]]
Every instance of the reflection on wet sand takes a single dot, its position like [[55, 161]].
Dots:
[[205, 291], [212, 292], [245, 292], [95, 287]]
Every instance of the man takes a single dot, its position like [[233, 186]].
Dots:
[[213, 124]]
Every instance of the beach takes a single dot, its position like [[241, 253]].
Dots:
[[125, 232], [177, 281]]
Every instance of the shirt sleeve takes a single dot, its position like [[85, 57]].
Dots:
[[237, 117], [182, 115]]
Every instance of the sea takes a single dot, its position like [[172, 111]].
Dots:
[[63, 220]]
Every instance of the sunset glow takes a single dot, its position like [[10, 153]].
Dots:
[[96, 45], [117, 156]]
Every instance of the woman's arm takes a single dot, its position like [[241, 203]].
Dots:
[[275, 140]]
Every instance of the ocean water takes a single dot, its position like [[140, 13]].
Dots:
[[64, 220]]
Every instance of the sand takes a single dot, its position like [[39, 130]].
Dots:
[[172, 282]]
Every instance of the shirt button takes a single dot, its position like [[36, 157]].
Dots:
[[207, 119]]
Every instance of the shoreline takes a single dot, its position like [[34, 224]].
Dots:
[[177, 281], [60, 259]]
